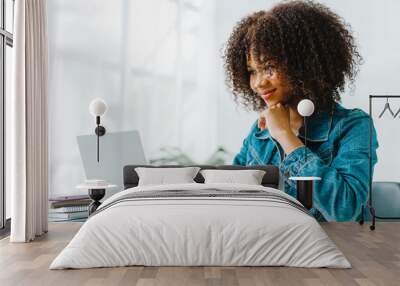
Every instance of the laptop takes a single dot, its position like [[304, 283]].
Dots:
[[117, 149]]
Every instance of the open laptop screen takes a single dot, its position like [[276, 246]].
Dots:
[[117, 149]]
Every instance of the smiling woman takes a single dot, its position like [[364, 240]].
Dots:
[[278, 57], [267, 81], [295, 40]]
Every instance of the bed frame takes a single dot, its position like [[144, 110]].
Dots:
[[270, 179]]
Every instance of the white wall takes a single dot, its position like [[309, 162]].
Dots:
[[171, 86], [376, 27]]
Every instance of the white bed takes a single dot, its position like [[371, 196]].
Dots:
[[206, 230]]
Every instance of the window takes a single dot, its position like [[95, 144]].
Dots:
[[6, 43]]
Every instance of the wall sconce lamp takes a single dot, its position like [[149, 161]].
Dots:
[[304, 185], [97, 108], [305, 109]]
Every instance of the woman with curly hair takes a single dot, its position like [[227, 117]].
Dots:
[[302, 50]]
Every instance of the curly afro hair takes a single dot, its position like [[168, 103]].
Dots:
[[311, 45]]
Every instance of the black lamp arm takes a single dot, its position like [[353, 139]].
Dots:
[[100, 131], [305, 138]]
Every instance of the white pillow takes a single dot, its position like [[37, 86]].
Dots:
[[163, 176], [248, 177]]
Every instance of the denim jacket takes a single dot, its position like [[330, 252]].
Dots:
[[337, 151]]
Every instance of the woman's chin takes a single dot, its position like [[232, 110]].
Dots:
[[271, 102]]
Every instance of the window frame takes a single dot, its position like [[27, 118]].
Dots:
[[6, 39]]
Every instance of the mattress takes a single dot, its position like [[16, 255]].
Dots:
[[201, 225]]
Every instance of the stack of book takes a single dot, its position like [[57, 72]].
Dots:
[[69, 208]]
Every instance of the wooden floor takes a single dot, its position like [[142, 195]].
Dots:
[[375, 257]]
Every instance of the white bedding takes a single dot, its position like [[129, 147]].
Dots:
[[200, 231]]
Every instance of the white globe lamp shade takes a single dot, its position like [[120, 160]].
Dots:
[[97, 107], [305, 107]]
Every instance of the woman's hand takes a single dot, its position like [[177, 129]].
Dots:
[[278, 118], [262, 123]]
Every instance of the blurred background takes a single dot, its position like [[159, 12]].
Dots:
[[158, 65]]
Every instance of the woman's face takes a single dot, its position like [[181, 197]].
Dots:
[[267, 82]]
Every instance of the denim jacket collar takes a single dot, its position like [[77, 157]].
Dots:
[[318, 127], [262, 134]]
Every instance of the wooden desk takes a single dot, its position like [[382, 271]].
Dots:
[[374, 255]]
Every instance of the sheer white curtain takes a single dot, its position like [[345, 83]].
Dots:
[[171, 84], [153, 62], [28, 123]]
